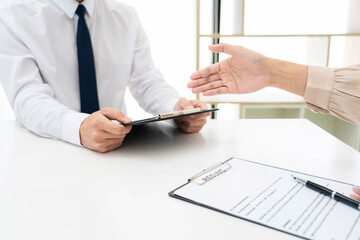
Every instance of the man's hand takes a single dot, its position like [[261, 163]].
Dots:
[[244, 72], [99, 133], [356, 190], [194, 123]]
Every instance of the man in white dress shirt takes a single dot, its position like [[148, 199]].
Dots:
[[39, 70]]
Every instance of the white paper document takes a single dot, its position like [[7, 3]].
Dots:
[[270, 196]]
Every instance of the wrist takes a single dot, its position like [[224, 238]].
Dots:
[[273, 67], [288, 76]]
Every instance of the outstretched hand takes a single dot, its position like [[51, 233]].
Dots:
[[244, 72]]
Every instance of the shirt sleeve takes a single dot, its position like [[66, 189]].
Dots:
[[335, 91], [33, 101], [147, 84]]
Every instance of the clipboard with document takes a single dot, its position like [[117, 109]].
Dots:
[[171, 115], [269, 196]]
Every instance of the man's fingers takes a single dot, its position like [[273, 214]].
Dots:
[[114, 146], [191, 129], [113, 114], [215, 68], [195, 117], [105, 123], [111, 136], [195, 122], [199, 104], [116, 128], [355, 196], [356, 189], [225, 48], [99, 131], [109, 147], [111, 127], [185, 104], [101, 140]]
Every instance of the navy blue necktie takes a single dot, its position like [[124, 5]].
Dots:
[[87, 77]]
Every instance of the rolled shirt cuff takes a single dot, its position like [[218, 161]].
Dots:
[[319, 87], [70, 130]]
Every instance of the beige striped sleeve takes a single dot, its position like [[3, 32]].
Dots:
[[335, 91]]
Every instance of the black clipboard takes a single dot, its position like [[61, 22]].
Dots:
[[225, 169], [168, 116]]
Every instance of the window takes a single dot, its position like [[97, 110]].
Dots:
[[322, 33]]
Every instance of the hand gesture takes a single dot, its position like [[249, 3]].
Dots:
[[244, 72]]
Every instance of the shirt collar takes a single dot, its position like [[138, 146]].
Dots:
[[69, 6]]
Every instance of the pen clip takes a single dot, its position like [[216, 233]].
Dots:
[[210, 173], [177, 113]]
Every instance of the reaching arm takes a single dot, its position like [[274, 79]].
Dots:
[[327, 90], [247, 71]]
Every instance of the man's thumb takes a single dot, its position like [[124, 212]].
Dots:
[[185, 104]]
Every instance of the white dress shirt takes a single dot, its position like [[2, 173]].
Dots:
[[39, 65]]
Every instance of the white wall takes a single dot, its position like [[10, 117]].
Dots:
[[171, 28]]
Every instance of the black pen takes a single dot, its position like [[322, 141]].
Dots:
[[333, 194]]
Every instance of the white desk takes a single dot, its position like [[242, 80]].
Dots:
[[53, 190]]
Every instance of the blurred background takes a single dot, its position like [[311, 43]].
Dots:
[[312, 32]]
